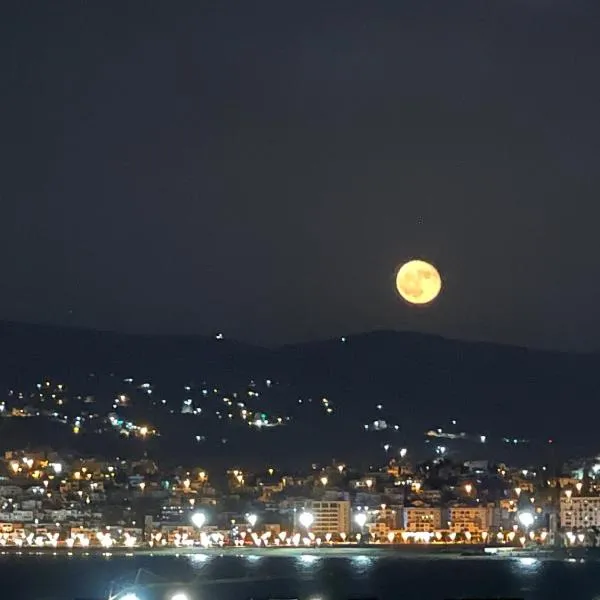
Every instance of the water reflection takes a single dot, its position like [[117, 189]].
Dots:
[[362, 563], [307, 575], [528, 561], [198, 558], [252, 558], [308, 559]]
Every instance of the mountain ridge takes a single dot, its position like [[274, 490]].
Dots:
[[417, 381]]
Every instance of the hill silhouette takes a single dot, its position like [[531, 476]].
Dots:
[[410, 380]]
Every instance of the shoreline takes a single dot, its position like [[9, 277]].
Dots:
[[436, 551]]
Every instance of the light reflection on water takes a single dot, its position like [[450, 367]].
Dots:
[[311, 576], [252, 558], [198, 559], [308, 559], [528, 561], [362, 563]]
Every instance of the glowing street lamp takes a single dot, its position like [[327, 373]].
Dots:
[[360, 519], [198, 519], [306, 519], [468, 488], [324, 481], [579, 485], [526, 519], [251, 520]]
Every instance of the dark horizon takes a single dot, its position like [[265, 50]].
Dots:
[[303, 342]]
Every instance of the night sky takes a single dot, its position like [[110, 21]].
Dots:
[[262, 168]]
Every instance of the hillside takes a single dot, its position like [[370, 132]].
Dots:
[[410, 380]]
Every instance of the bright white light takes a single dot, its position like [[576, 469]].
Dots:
[[180, 596], [198, 519], [360, 519], [130, 596], [308, 558], [252, 520], [306, 519], [526, 519]]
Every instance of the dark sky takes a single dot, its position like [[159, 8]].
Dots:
[[262, 168]]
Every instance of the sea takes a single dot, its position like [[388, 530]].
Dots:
[[306, 576]]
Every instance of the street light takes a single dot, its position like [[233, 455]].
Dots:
[[526, 519], [306, 519], [360, 519], [251, 520], [198, 519]]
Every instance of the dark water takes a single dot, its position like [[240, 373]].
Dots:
[[308, 577]]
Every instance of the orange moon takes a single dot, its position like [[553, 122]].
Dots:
[[418, 282]]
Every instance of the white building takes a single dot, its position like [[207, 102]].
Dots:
[[421, 518], [474, 519], [579, 512], [330, 516]]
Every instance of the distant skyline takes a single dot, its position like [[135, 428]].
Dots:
[[264, 169]]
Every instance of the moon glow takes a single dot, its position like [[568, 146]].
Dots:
[[418, 282]]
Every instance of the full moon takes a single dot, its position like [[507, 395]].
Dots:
[[418, 282]]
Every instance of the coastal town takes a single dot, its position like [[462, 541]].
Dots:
[[54, 501]]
